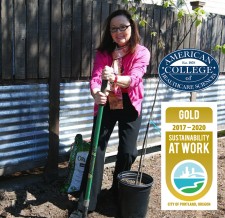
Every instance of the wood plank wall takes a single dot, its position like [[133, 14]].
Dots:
[[28, 46]]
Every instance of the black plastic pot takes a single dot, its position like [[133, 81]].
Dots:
[[133, 198]]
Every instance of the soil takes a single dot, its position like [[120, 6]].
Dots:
[[27, 195]]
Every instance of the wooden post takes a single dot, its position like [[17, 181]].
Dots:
[[197, 4], [51, 170], [193, 96]]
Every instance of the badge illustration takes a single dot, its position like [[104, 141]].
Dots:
[[189, 161], [189, 177], [189, 157], [188, 70]]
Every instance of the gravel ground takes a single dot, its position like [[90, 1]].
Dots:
[[26, 195]]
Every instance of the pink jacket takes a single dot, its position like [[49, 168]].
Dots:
[[134, 65]]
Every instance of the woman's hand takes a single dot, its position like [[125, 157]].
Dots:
[[121, 81], [100, 98], [108, 74]]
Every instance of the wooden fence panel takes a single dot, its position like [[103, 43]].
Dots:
[[148, 32], [175, 33], [198, 37], [20, 39], [55, 37], [113, 6], [76, 38], [162, 34], [169, 29], [66, 41], [7, 39], [180, 37], [209, 28], [44, 38], [154, 58], [32, 40], [193, 33], [104, 15], [86, 40], [142, 29], [216, 36], [26, 43], [96, 28], [204, 35], [222, 57], [187, 33]]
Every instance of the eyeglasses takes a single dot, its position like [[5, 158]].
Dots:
[[122, 28]]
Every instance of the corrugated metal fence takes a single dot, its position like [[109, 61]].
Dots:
[[76, 110], [23, 126], [24, 118]]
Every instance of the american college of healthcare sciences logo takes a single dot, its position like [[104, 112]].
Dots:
[[189, 156], [188, 70]]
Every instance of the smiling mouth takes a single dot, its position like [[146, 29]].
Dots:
[[119, 38]]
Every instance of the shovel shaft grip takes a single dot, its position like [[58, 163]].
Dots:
[[104, 85]]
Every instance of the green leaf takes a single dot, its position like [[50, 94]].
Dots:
[[153, 33], [166, 4], [223, 49], [199, 11], [217, 48], [142, 23], [180, 15], [125, 1], [198, 22], [133, 10], [135, 17]]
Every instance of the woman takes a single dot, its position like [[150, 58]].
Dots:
[[122, 61]]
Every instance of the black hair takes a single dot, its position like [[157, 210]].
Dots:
[[107, 43]]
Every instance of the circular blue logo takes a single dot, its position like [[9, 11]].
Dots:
[[188, 70], [189, 177]]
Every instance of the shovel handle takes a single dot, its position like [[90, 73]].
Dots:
[[104, 85], [94, 151]]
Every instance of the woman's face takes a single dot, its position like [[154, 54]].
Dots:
[[120, 30]]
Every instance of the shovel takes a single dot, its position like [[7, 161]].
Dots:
[[93, 154]]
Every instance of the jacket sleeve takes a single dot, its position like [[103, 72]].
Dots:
[[99, 63], [139, 66]]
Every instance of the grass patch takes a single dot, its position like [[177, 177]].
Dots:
[[221, 133]]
